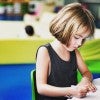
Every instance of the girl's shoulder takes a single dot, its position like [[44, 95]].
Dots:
[[43, 50]]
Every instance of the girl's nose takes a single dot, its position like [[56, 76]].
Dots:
[[79, 43]]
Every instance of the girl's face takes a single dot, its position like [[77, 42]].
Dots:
[[77, 39]]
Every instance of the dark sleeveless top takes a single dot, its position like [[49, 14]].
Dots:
[[63, 73]]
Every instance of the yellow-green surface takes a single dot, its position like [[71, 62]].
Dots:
[[16, 51], [90, 52]]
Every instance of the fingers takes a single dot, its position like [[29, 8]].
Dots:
[[82, 91], [82, 94], [92, 88]]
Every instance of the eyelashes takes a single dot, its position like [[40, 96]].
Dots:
[[76, 37], [83, 40]]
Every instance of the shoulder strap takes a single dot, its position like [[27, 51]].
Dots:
[[46, 45]]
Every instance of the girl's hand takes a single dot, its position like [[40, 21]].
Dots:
[[86, 82], [79, 91]]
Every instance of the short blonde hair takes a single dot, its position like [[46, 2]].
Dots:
[[69, 19]]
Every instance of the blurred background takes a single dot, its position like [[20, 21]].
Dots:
[[18, 48]]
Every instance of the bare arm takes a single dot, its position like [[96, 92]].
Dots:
[[86, 74], [83, 67]]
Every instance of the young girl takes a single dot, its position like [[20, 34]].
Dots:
[[57, 62]]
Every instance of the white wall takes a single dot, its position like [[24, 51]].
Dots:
[[11, 29], [16, 29]]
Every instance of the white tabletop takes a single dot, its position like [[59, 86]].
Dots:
[[91, 95]]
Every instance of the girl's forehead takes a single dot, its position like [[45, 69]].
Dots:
[[82, 31], [82, 35]]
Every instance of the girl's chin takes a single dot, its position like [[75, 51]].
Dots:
[[72, 49]]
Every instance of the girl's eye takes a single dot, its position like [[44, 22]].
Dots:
[[76, 37]]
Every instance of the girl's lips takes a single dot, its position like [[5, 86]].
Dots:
[[74, 47]]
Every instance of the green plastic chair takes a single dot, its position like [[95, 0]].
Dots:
[[33, 84]]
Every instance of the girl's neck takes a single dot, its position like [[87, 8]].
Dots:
[[61, 46], [61, 50]]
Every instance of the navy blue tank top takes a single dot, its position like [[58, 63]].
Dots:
[[62, 74]]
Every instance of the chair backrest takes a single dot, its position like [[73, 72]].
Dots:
[[33, 84]]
